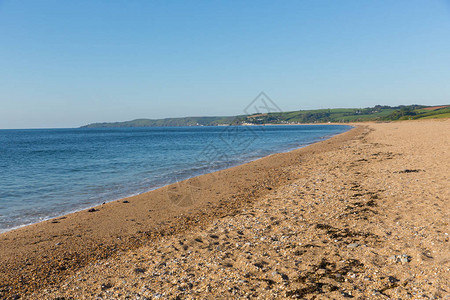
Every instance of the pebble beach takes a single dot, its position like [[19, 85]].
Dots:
[[362, 215]]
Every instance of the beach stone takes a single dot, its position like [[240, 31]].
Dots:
[[353, 245], [106, 286], [140, 270], [346, 295], [392, 279], [404, 258], [393, 258], [284, 276]]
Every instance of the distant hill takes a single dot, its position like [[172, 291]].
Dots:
[[168, 122], [338, 115]]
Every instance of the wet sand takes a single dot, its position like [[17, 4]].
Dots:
[[363, 214]]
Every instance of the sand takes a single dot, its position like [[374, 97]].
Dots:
[[364, 214]]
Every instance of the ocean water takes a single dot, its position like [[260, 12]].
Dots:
[[46, 173]]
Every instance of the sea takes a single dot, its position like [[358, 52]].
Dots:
[[46, 173]]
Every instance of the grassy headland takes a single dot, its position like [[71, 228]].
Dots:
[[335, 115]]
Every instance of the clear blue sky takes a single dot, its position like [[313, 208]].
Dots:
[[68, 63]]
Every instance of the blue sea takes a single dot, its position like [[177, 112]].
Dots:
[[45, 173]]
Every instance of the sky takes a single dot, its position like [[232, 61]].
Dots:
[[70, 63]]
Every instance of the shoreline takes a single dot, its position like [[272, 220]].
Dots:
[[88, 236], [350, 127], [342, 217]]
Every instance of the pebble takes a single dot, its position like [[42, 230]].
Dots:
[[106, 286], [404, 258], [393, 279], [140, 270]]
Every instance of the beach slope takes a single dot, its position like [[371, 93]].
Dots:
[[364, 214]]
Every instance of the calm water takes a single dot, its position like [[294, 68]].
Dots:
[[47, 173]]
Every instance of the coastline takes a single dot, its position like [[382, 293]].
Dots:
[[363, 175], [118, 226], [174, 180]]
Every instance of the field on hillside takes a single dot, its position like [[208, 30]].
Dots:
[[335, 115]]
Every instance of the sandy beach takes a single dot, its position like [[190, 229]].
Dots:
[[362, 215]]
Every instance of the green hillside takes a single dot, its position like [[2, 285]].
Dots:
[[335, 115], [169, 122]]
